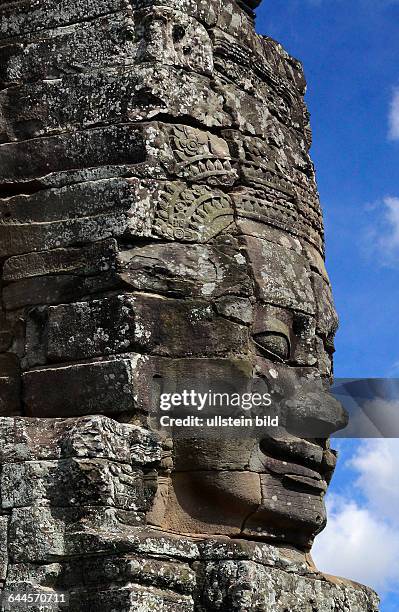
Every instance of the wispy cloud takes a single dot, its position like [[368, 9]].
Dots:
[[377, 464], [343, 549], [394, 116], [365, 522], [380, 237], [391, 239]]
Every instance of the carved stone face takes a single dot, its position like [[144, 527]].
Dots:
[[244, 297], [217, 276], [274, 322], [164, 227]]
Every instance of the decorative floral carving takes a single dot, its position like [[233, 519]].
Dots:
[[192, 214], [202, 157]]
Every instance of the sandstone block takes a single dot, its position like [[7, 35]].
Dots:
[[42, 534], [103, 387], [153, 150], [3, 548], [55, 289], [94, 572], [326, 316], [195, 271], [85, 261], [19, 18], [97, 210], [282, 276], [10, 386], [247, 585], [119, 324], [118, 39], [52, 158], [109, 96], [73, 483], [61, 217], [274, 207], [59, 275], [91, 437]]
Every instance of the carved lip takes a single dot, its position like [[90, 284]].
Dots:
[[291, 455], [295, 474]]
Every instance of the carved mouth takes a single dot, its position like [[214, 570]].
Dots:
[[298, 462], [297, 450], [294, 475]]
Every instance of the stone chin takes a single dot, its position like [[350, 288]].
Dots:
[[234, 504], [270, 489]]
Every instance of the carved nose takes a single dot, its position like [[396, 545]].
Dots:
[[314, 414]]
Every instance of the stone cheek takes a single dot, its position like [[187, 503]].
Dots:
[[106, 387], [123, 323]]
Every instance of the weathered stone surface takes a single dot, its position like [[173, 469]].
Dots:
[[187, 270], [93, 572], [72, 483], [102, 387], [150, 149], [87, 261], [282, 277], [160, 232], [249, 227], [55, 289], [247, 586], [326, 316], [42, 534], [60, 275], [50, 158], [111, 96], [118, 39], [62, 217], [227, 500], [262, 164], [22, 17], [122, 323], [196, 214], [3, 549], [5, 332], [280, 210], [96, 210], [233, 575], [236, 308], [30, 439], [10, 402]]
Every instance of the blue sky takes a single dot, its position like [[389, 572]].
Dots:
[[350, 51]]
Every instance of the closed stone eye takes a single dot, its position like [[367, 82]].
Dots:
[[275, 345], [272, 338]]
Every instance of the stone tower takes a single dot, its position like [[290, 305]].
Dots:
[[160, 228]]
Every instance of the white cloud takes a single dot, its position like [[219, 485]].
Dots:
[[391, 240], [352, 536], [377, 462], [394, 116], [361, 540], [380, 237]]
